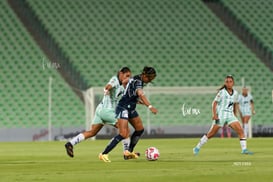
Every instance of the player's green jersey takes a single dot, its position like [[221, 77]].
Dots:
[[225, 103], [110, 101]]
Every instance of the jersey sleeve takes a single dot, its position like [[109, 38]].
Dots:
[[113, 81], [138, 85], [218, 96]]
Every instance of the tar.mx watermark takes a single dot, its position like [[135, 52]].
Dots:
[[241, 164], [46, 64], [187, 110]]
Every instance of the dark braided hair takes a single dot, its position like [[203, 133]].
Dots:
[[149, 71]]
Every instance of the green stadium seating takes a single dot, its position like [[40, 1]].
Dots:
[[184, 40], [186, 43], [256, 17], [24, 82]]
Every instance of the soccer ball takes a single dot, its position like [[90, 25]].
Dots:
[[152, 154]]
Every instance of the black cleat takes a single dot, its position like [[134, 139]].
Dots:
[[69, 149]]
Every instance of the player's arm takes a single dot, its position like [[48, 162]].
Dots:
[[139, 101], [214, 111], [145, 101], [107, 89], [236, 108], [252, 106]]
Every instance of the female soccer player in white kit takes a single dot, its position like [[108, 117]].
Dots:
[[246, 106], [105, 111], [223, 110]]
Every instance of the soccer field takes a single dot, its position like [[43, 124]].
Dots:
[[219, 160]]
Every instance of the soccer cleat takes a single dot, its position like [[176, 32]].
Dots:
[[130, 155], [245, 151], [69, 149], [195, 150], [104, 157]]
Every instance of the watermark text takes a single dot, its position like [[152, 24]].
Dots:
[[46, 64], [241, 164], [187, 110]]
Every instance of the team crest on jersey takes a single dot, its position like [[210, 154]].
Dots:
[[230, 104]]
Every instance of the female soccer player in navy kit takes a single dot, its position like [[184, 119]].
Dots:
[[125, 112], [224, 108]]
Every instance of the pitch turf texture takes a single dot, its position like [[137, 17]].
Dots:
[[219, 160]]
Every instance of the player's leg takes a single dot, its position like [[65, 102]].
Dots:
[[136, 122], [123, 133], [95, 128], [125, 142], [139, 129], [236, 126], [122, 124], [109, 117], [213, 130], [223, 132], [245, 124], [228, 132]]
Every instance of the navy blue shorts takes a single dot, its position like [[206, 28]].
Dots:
[[124, 113]]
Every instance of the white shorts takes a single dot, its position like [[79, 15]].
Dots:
[[222, 121]]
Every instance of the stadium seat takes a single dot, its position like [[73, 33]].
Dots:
[[26, 81], [174, 36]]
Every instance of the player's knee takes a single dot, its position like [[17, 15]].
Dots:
[[124, 133]]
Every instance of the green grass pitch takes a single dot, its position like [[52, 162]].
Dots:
[[219, 160]]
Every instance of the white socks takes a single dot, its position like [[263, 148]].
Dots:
[[126, 143], [243, 143], [202, 141], [77, 139], [80, 137]]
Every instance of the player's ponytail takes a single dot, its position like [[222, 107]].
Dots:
[[223, 86]]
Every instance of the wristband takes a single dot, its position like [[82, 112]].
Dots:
[[150, 106]]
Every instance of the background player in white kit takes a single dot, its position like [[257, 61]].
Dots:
[[105, 111], [246, 106], [223, 110]]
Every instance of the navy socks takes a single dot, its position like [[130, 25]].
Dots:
[[112, 144]]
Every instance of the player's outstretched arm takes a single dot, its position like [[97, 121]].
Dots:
[[145, 101], [214, 112], [107, 89]]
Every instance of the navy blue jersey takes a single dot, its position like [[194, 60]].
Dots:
[[130, 97]]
